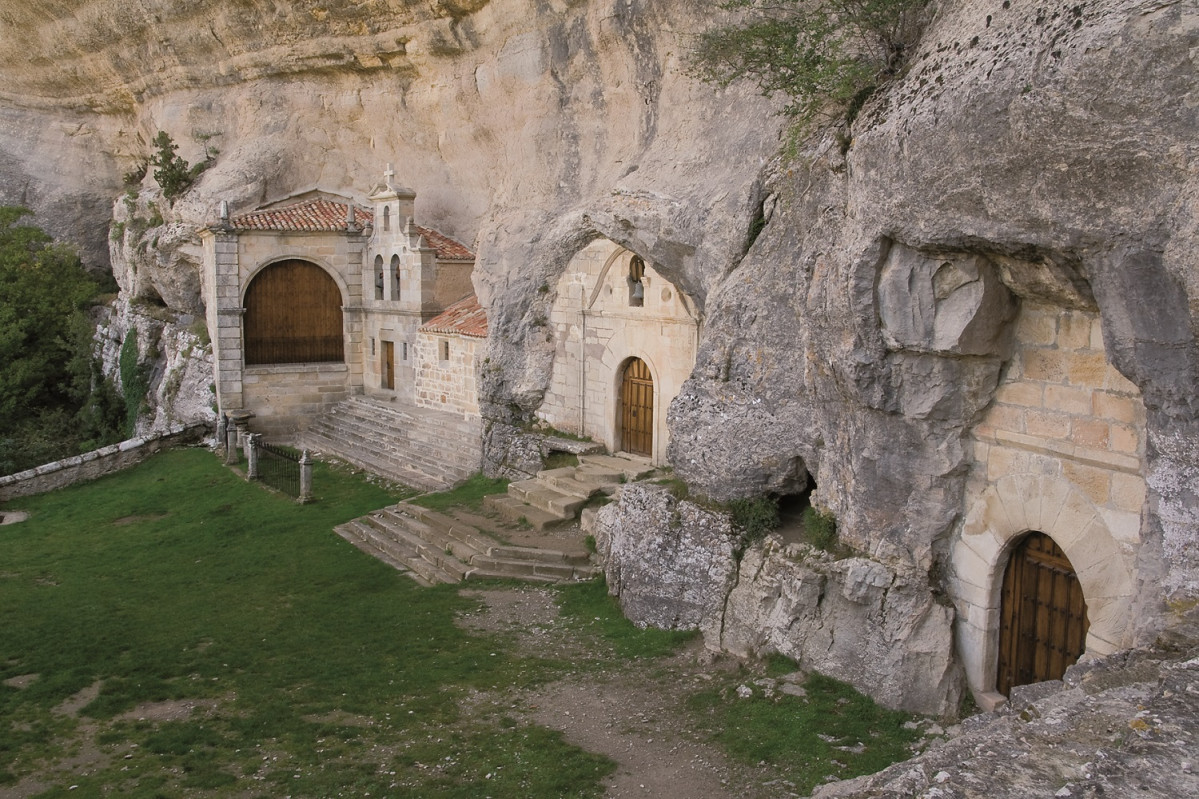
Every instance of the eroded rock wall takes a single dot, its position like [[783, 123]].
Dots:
[[1029, 155], [675, 564]]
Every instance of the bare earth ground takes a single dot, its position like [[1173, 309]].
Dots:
[[631, 713]]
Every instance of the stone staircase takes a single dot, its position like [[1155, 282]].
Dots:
[[555, 496], [435, 548], [416, 446]]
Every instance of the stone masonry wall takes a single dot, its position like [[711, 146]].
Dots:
[[97, 463], [286, 398], [1063, 409], [447, 384], [1060, 451]]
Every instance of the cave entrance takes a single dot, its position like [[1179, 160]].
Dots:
[[1043, 616], [637, 409]]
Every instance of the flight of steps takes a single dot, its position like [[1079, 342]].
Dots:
[[415, 446], [555, 496], [434, 548]]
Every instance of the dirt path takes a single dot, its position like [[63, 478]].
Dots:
[[632, 713]]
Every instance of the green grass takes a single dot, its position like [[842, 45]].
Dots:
[[327, 670], [468, 495], [833, 731], [591, 609]]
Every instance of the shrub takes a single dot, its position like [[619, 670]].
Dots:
[[754, 517], [820, 529], [135, 381], [814, 52]]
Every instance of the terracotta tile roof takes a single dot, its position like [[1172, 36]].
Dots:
[[447, 248], [329, 216], [464, 318], [310, 215]]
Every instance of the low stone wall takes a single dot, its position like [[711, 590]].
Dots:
[[97, 463], [674, 564]]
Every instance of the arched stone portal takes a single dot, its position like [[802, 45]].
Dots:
[[293, 315], [612, 308], [1003, 516]]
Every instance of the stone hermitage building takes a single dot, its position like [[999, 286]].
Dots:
[[313, 299]]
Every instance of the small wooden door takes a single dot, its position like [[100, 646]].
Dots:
[[388, 367], [637, 409], [1043, 619]]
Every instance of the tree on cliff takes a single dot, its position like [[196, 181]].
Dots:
[[52, 400], [819, 54], [172, 173]]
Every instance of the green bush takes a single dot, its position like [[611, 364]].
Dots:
[[754, 517], [135, 383], [813, 52], [820, 529], [172, 173]]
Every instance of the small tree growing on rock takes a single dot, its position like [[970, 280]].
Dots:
[[815, 52], [172, 173]]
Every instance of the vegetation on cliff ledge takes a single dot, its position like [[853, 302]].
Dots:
[[822, 56]]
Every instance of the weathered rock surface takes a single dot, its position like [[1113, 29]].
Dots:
[[1048, 155], [1123, 726], [677, 565]]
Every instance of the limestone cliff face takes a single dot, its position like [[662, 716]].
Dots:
[[1055, 143], [1028, 155]]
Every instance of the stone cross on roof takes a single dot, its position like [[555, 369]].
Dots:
[[388, 174]]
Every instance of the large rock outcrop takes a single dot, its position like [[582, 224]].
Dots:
[[675, 564]]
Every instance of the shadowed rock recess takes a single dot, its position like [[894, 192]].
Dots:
[[967, 316]]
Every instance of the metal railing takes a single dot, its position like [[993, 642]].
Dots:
[[281, 468]]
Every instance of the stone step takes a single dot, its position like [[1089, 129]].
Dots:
[[435, 565], [542, 495], [633, 467], [515, 510], [522, 568], [578, 481], [448, 528], [392, 552]]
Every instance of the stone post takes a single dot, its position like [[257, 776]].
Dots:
[[230, 445], [221, 426], [305, 478], [252, 440]]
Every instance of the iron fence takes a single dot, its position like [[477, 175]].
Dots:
[[279, 467]]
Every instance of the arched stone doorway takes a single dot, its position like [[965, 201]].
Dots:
[[637, 408], [293, 315], [1043, 615], [998, 521]]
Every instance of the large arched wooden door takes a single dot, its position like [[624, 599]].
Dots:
[[293, 315], [637, 409], [1043, 617]]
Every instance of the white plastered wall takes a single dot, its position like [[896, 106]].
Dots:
[[1059, 451], [596, 331]]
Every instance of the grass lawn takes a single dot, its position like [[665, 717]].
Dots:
[[174, 631], [315, 670]]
